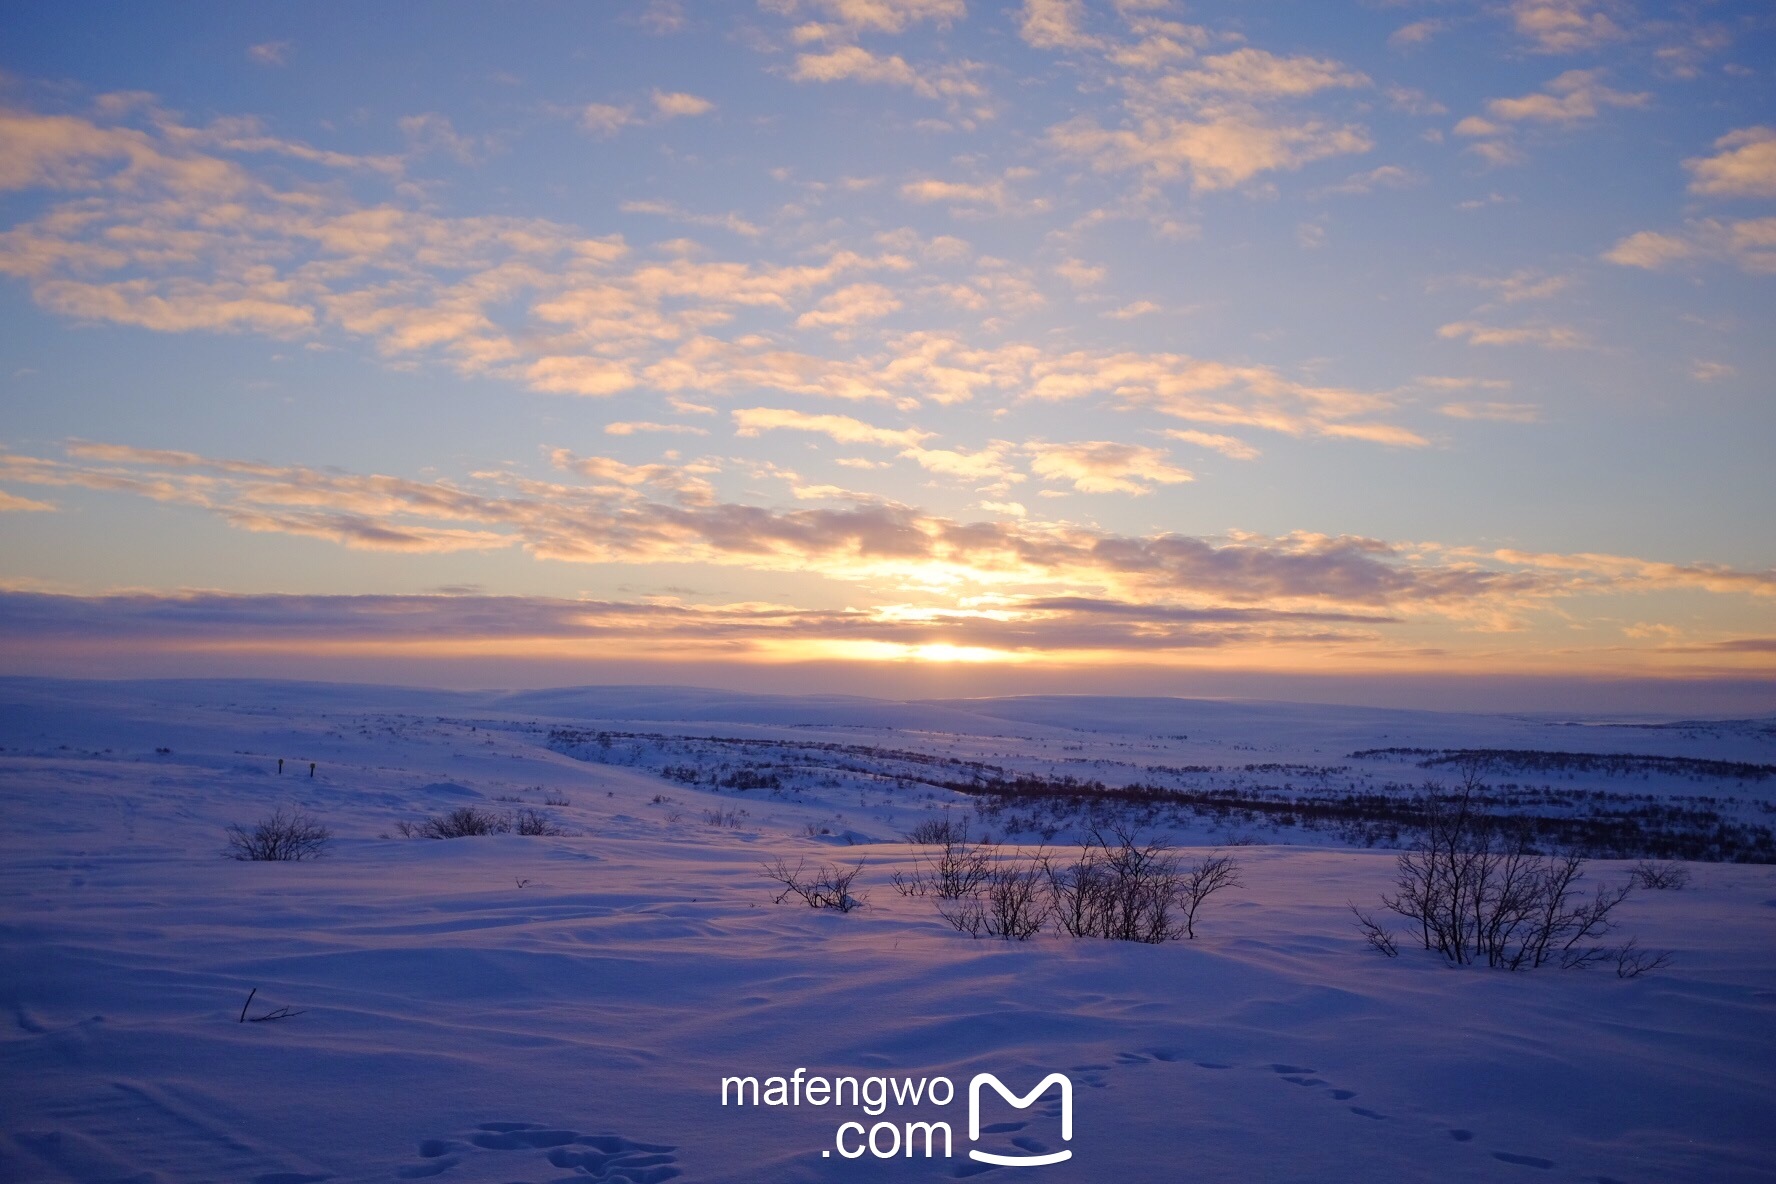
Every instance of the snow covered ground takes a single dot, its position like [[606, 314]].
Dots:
[[509, 1008]]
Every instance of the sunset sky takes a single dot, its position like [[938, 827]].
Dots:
[[895, 345]]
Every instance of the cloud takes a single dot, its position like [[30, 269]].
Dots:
[[663, 513], [1745, 166], [1228, 446], [1387, 176], [1217, 151], [605, 119], [1565, 26], [1650, 250], [1054, 24], [853, 63], [631, 427], [1218, 120], [1496, 412], [1128, 312], [1573, 97], [674, 104], [1104, 466], [1253, 74], [270, 53], [851, 305], [665, 209], [12, 503], [578, 376], [1523, 285], [991, 464], [1749, 243], [662, 17], [1712, 371], [1546, 336], [751, 421], [1080, 274], [971, 197], [1438, 382], [879, 16], [1415, 34], [134, 214], [431, 133], [529, 625]]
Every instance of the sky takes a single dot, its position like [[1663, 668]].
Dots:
[[1398, 351]]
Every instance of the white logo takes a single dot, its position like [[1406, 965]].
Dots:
[[1023, 1103]]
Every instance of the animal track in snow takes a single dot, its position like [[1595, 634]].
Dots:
[[599, 1157]]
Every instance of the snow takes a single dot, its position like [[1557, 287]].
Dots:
[[513, 1008]]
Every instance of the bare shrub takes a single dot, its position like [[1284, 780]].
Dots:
[[1015, 904], [966, 916], [461, 823], [1201, 882], [906, 884], [1379, 939], [467, 822], [1477, 892], [556, 799], [1632, 961], [728, 818], [1128, 889], [286, 834], [1010, 904], [932, 832], [1662, 877], [825, 887], [534, 823], [957, 870]]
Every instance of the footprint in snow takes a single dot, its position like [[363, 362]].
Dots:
[[600, 1157], [1528, 1161]]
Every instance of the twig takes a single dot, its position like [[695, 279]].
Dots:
[[282, 1013]]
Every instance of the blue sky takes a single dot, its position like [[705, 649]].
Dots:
[[1380, 339]]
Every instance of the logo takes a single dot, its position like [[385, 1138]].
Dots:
[[1022, 1103], [912, 1135]]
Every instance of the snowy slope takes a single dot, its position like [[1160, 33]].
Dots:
[[507, 1008]]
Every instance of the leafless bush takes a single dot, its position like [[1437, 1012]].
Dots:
[[1015, 903], [469, 821], [1010, 904], [728, 818], [946, 830], [967, 916], [556, 799], [1379, 939], [1126, 889], [1632, 961], [956, 871], [1667, 877], [286, 834], [906, 884], [461, 823], [825, 887], [534, 822], [1478, 892], [1202, 881]]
